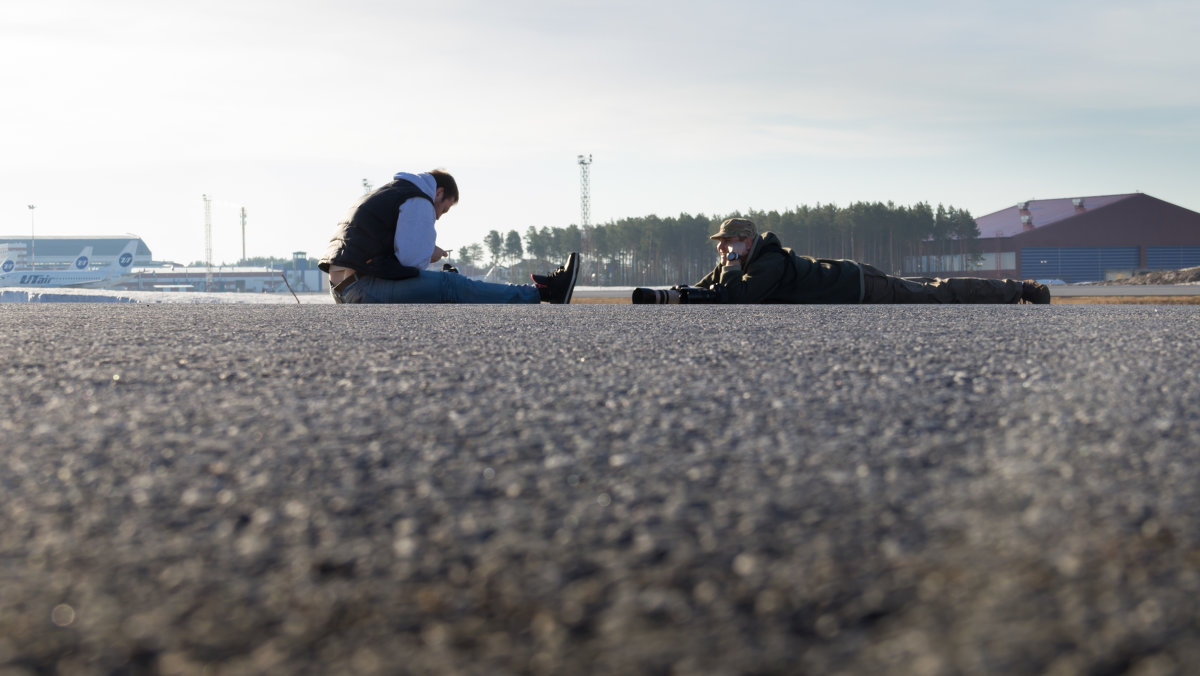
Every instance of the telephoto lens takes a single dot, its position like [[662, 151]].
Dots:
[[654, 296], [681, 294]]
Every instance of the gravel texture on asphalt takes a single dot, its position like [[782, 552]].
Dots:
[[599, 489]]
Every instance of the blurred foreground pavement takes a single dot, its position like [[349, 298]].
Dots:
[[599, 489]]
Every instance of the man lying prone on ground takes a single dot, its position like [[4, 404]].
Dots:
[[757, 268]]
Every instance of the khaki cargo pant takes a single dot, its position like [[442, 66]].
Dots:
[[879, 287]]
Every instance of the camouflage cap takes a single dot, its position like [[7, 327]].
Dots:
[[736, 227]]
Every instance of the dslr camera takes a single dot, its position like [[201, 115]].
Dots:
[[676, 295]]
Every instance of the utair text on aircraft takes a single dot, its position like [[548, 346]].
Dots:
[[78, 276]]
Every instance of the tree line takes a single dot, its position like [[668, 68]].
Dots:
[[652, 251], [273, 262]]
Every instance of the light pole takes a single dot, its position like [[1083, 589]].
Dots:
[[32, 240]]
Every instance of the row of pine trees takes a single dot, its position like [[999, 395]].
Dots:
[[654, 251]]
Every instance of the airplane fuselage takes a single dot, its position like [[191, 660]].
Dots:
[[58, 279], [80, 277]]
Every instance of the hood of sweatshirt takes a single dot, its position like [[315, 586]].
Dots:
[[426, 182]]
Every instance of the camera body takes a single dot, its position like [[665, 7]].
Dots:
[[681, 294]]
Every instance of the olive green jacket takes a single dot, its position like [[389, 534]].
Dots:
[[772, 273]]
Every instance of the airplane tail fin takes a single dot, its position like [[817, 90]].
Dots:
[[83, 259], [124, 260], [8, 265]]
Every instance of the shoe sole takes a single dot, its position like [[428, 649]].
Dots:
[[573, 271]]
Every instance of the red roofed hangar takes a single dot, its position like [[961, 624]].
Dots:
[[1076, 239]]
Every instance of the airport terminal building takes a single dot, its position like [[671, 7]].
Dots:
[[59, 253], [1075, 239]]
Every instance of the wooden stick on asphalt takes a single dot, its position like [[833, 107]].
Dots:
[[289, 286]]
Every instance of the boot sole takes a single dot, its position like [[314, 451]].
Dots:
[[573, 271]]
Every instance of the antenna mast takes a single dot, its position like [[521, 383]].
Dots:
[[207, 242], [243, 235], [32, 240]]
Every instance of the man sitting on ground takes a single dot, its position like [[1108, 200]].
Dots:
[[382, 245]]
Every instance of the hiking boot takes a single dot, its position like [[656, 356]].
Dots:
[[1032, 292], [558, 286]]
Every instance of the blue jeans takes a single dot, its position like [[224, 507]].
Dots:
[[434, 287]]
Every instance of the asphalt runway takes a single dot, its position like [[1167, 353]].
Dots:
[[607, 489]]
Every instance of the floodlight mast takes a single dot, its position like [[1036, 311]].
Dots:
[[585, 191], [585, 205]]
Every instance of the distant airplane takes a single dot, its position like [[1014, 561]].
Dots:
[[78, 276]]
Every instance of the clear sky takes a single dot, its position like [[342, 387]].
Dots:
[[117, 116]]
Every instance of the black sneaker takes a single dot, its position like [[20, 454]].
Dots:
[[558, 286], [1032, 292]]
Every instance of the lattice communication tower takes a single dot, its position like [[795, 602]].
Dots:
[[585, 191]]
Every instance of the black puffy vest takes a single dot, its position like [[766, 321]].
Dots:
[[365, 237]]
